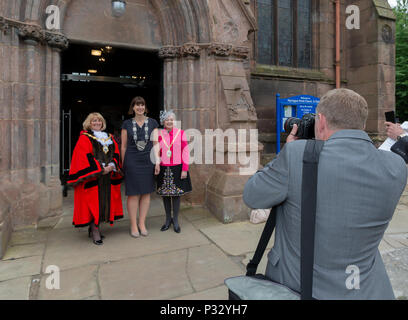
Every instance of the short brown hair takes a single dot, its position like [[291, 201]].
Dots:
[[344, 109], [135, 101], [86, 125]]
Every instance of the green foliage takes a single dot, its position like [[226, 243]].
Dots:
[[401, 12]]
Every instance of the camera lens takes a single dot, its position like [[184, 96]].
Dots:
[[289, 124]]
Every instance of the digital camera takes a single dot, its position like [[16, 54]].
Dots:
[[305, 126]]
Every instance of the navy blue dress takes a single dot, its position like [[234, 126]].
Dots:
[[137, 166]]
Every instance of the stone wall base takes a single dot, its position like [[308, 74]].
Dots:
[[224, 196], [23, 204], [5, 225]]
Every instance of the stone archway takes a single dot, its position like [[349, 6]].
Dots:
[[205, 48]]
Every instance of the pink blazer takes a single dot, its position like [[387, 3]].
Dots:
[[179, 150]]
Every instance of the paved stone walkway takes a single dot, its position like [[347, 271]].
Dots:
[[164, 265]]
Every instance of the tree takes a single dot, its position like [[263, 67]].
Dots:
[[401, 11]]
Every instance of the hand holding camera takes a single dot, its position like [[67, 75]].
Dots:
[[292, 135]]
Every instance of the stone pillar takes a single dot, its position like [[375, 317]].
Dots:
[[206, 85], [370, 56], [29, 91], [237, 116]]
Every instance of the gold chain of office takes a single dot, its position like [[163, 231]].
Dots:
[[105, 147]]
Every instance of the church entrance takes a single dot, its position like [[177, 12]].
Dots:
[[104, 79]]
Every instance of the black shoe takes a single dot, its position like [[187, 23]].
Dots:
[[176, 229], [166, 226], [97, 242]]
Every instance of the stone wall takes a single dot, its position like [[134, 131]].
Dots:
[[267, 80], [91, 21], [367, 66], [370, 57]]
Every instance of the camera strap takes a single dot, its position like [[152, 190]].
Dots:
[[308, 218]]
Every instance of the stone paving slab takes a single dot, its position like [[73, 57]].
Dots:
[[29, 236], [396, 264], [393, 242], [399, 222], [236, 238], [13, 269], [65, 222], [208, 267], [75, 284], [196, 213], [401, 238], [205, 223], [64, 244], [17, 289], [384, 247], [160, 276], [50, 222], [23, 251], [218, 293], [92, 298]]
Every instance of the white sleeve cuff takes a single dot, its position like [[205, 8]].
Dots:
[[112, 165]]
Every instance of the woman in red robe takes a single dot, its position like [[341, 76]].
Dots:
[[95, 174]]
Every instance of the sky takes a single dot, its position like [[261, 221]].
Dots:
[[393, 3]]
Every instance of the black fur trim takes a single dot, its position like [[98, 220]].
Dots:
[[91, 184], [92, 167]]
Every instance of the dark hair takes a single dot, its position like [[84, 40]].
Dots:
[[135, 101]]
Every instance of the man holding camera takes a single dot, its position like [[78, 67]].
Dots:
[[357, 192]]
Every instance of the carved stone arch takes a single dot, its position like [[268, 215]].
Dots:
[[180, 21], [183, 21], [166, 24]]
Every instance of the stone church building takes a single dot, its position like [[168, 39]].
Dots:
[[217, 63]]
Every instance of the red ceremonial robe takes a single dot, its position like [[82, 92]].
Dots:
[[83, 175]]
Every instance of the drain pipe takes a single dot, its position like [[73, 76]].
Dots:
[[338, 58]]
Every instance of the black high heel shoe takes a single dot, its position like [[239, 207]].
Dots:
[[97, 242], [176, 229], [165, 226]]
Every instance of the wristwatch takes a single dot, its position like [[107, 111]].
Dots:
[[402, 135]]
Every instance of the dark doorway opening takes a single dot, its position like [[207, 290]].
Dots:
[[105, 79]]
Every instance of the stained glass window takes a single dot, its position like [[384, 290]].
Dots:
[[265, 32], [304, 34], [285, 33], [285, 29]]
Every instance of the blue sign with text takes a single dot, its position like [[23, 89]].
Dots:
[[297, 107]]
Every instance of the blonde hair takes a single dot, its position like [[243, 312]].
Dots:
[[87, 123], [344, 109]]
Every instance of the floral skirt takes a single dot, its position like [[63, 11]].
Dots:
[[170, 184]]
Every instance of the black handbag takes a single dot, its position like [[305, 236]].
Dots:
[[401, 148], [254, 286]]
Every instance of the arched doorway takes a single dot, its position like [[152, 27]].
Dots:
[[102, 78], [109, 61]]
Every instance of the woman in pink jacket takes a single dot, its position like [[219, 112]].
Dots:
[[173, 180]]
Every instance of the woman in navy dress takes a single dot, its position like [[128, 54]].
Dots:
[[139, 137]]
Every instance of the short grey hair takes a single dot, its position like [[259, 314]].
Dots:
[[344, 109], [164, 115]]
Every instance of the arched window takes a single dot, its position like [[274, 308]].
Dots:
[[285, 33]]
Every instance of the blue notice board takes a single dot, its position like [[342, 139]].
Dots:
[[297, 107]]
